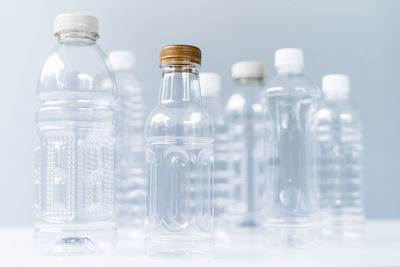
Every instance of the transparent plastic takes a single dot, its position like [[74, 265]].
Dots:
[[339, 154], [130, 174], [179, 159], [222, 173], [75, 156], [244, 115], [291, 190]]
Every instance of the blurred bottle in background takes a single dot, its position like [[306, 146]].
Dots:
[[179, 161], [130, 163], [339, 152], [244, 115], [76, 130], [210, 84], [291, 191]]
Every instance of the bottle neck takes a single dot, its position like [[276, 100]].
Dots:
[[336, 97], [249, 86], [180, 85], [77, 38], [289, 69]]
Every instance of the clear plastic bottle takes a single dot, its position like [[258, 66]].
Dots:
[[130, 178], [179, 159], [339, 153], [291, 191], [210, 84], [76, 132], [246, 130]]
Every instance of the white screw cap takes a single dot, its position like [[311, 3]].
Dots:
[[76, 22], [336, 86], [289, 59], [249, 69], [210, 84], [122, 59]]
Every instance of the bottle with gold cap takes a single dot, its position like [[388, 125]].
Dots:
[[245, 119], [76, 133], [179, 158]]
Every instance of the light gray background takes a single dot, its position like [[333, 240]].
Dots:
[[359, 38]]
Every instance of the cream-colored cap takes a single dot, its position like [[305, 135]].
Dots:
[[76, 22], [249, 69]]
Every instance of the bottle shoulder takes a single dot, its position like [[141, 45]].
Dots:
[[337, 112], [238, 106], [80, 70], [188, 122], [290, 84]]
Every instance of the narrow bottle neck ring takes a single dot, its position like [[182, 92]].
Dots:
[[179, 67], [289, 68], [77, 38], [249, 81]]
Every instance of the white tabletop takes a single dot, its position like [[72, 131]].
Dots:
[[380, 248]]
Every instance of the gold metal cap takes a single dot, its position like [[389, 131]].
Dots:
[[180, 53]]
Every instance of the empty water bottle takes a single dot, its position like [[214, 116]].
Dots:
[[131, 183], [339, 153], [246, 131], [76, 132], [210, 84], [291, 191], [179, 159]]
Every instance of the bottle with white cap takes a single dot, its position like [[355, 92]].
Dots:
[[339, 154], [76, 132], [245, 118], [130, 178], [210, 84], [291, 190]]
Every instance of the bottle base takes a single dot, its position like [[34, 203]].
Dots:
[[179, 248], [58, 240], [293, 236]]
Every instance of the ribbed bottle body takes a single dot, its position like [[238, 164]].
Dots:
[[130, 171], [291, 191], [244, 116], [76, 152], [339, 154], [179, 168]]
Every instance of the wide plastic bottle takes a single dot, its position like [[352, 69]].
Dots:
[[179, 158], [210, 84], [244, 115], [130, 177], [339, 152], [291, 191], [76, 132]]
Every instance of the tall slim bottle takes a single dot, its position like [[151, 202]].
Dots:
[[130, 164], [179, 158], [210, 84], [291, 191], [339, 152], [244, 115], [76, 132]]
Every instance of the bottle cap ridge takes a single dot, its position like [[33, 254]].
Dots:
[[180, 53], [291, 58], [249, 69], [76, 22], [210, 84]]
